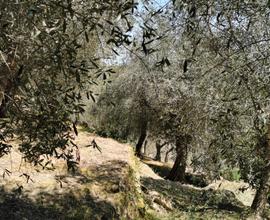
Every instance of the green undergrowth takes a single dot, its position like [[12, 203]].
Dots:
[[231, 174]]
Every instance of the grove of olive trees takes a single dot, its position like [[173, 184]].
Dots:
[[194, 74]]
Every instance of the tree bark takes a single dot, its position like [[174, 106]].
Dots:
[[9, 82], [178, 171], [2, 109], [5, 98], [260, 199], [158, 153], [166, 159], [143, 133], [144, 147], [158, 150]]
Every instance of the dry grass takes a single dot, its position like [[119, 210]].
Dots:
[[98, 188], [106, 186], [111, 150], [246, 196]]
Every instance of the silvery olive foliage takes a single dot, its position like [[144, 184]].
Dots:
[[209, 78], [50, 54], [195, 68]]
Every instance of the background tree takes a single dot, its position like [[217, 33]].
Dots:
[[159, 146], [198, 77], [222, 51]]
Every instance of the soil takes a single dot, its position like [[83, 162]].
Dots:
[[111, 184]]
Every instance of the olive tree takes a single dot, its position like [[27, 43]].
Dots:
[[229, 57], [50, 55]]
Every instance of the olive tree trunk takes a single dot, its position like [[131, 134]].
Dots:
[[5, 98], [159, 146], [9, 83], [145, 147], [166, 159], [260, 199], [143, 133], [2, 108], [178, 171]]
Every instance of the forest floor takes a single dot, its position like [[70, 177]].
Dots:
[[112, 184]]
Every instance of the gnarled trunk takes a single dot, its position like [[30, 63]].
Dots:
[[143, 133], [178, 171], [263, 191]]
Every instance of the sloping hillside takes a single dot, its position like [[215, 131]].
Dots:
[[102, 188], [111, 184]]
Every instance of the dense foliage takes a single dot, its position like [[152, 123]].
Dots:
[[50, 56], [209, 80], [196, 75]]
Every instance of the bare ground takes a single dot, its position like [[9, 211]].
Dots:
[[111, 184], [96, 191], [47, 180]]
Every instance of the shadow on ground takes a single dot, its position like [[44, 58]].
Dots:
[[16, 206], [102, 192], [188, 199], [82, 195], [163, 170]]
